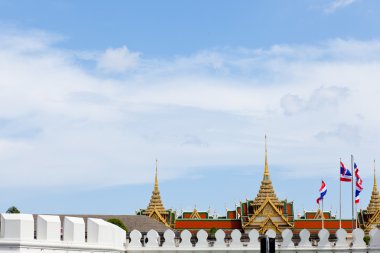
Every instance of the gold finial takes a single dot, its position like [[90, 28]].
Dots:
[[266, 170]]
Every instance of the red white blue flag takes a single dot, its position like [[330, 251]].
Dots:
[[345, 174], [322, 192], [359, 183]]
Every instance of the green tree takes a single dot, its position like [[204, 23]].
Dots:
[[118, 223], [213, 230], [13, 209], [366, 239]]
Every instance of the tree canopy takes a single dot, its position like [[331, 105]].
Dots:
[[13, 209], [118, 223]]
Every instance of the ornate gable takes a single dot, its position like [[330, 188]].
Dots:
[[195, 214], [373, 222], [318, 214], [267, 216], [269, 224], [155, 214]]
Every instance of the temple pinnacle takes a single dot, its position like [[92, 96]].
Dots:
[[155, 200], [156, 177], [266, 169], [266, 189], [374, 177], [374, 203]]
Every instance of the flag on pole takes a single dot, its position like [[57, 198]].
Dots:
[[322, 192], [359, 183], [345, 174]]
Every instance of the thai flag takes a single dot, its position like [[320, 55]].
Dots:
[[359, 183], [345, 174], [358, 190], [322, 192]]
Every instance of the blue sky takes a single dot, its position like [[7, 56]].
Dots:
[[91, 93]]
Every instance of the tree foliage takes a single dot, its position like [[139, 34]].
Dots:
[[118, 223], [13, 209], [213, 230], [366, 239]]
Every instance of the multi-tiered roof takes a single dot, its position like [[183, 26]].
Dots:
[[374, 203], [266, 211], [266, 188], [155, 200], [156, 209]]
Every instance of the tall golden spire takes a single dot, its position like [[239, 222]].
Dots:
[[156, 178], [266, 170], [155, 199], [374, 177], [374, 203], [266, 188]]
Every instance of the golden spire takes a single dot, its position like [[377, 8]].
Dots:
[[374, 203], [156, 179], [266, 188], [374, 176], [266, 170], [155, 200]]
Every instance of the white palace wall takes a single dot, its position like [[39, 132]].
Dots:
[[234, 245], [17, 235]]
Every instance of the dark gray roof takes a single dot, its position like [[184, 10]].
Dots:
[[140, 222]]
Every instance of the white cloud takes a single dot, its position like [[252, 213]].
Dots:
[[118, 60], [338, 4], [60, 124], [343, 132], [292, 104], [322, 97]]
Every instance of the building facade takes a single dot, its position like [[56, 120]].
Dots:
[[263, 212]]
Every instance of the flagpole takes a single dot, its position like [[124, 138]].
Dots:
[[356, 205], [352, 191], [340, 198], [356, 214], [319, 208], [323, 224]]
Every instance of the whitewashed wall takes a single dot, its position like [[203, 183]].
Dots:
[[184, 244], [17, 235]]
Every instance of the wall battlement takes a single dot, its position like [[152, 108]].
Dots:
[[284, 244], [17, 234]]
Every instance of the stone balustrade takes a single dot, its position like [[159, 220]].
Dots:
[[17, 234], [284, 244]]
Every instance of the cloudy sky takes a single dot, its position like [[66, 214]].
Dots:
[[91, 93]]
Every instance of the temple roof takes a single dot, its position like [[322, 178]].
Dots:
[[140, 222], [266, 188], [155, 200], [195, 214], [374, 203]]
